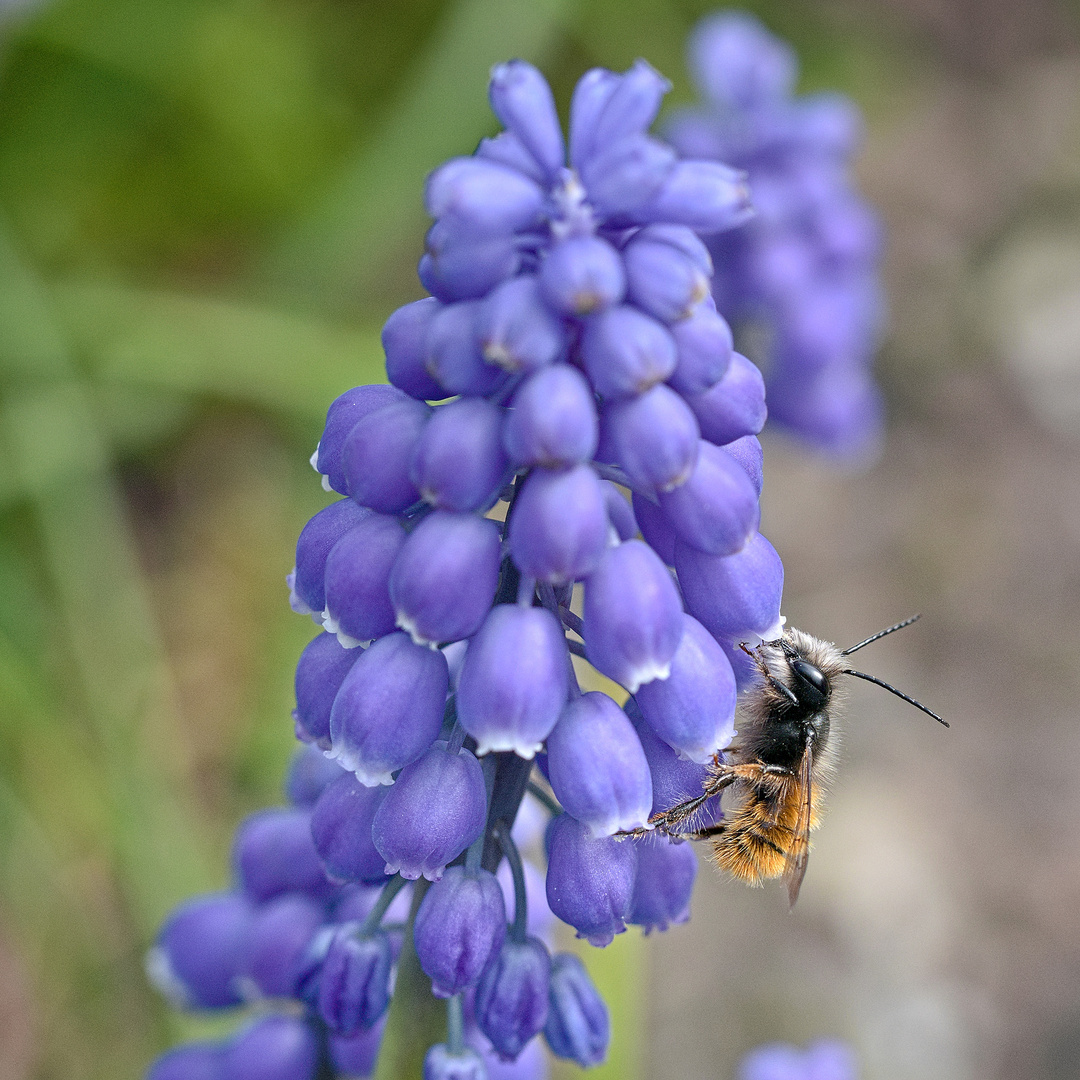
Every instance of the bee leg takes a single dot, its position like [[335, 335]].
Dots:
[[669, 819], [767, 675]]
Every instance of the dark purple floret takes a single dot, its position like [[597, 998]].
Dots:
[[578, 1027], [665, 879], [590, 882], [512, 995], [460, 925], [354, 981]]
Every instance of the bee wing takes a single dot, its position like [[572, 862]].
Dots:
[[799, 851]]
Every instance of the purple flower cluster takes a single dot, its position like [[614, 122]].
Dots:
[[802, 278], [564, 465], [827, 1059], [293, 928]]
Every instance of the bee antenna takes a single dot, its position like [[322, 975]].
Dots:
[[881, 634], [893, 690]]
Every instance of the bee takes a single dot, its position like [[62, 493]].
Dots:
[[782, 763]]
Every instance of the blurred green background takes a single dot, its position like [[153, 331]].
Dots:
[[207, 210]]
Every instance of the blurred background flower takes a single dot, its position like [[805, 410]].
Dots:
[[208, 210]]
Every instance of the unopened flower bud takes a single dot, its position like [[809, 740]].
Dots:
[[460, 925], [512, 996], [578, 1026]]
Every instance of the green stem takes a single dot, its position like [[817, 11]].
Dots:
[[455, 1025], [513, 857], [537, 792], [386, 898]]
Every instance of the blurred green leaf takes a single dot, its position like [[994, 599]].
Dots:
[[292, 364]]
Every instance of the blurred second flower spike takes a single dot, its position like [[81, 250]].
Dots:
[[558, 393]]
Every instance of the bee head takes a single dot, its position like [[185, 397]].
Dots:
[[810, 684]]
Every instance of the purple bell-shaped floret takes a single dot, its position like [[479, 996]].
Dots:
[[273, 1048], [355, 979], [597, 768], [633, 616], [273, 853], [460, 925], [735, 597], [693, 709], [389, 709], [578, 1027], [341, 828], [444, 580], [514, 680], [590, 882], [512, 996], [434, 811], [200, 951], [666, 870]]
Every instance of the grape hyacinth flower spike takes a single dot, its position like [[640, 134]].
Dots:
[[565, 429], [804, 275]]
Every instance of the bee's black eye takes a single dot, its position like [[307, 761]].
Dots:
[[813, 686]]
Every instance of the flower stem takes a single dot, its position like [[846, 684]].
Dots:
[[455, 1025], [513, 857], [537, 792], [386, 898]]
